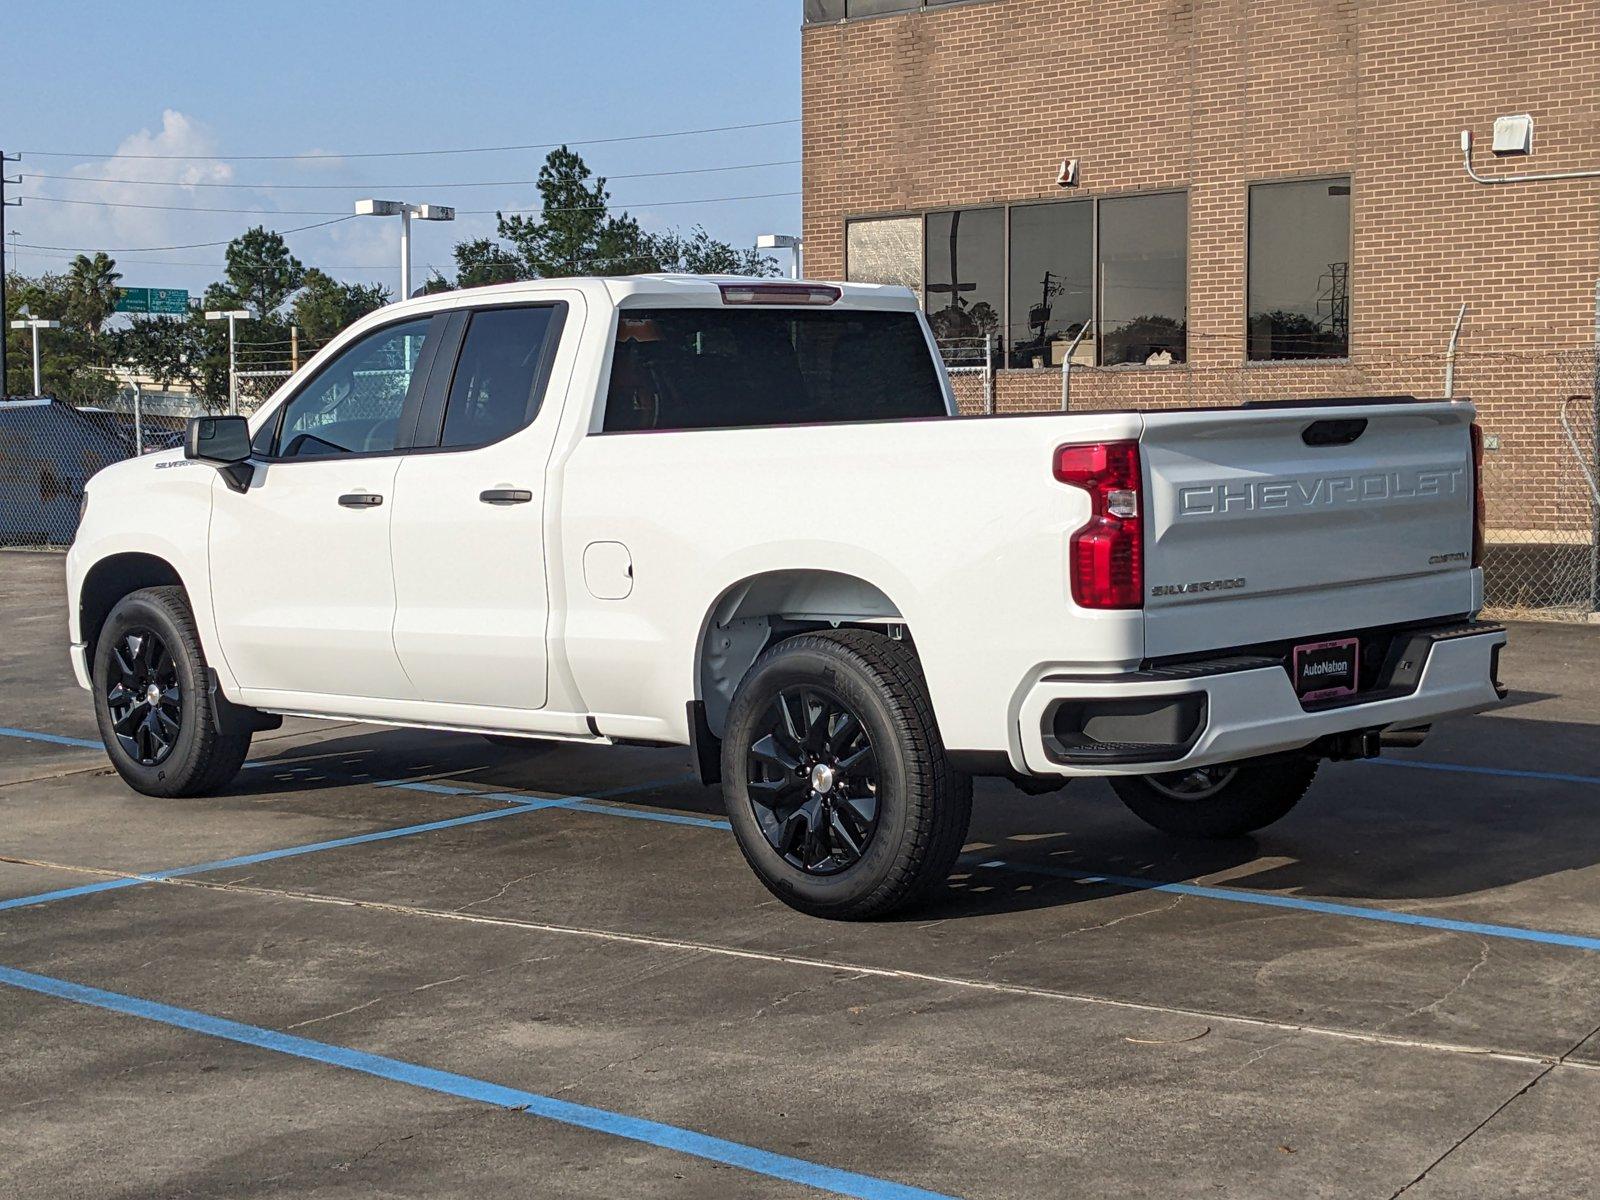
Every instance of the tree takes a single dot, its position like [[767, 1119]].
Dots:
[[324, 306], [158, 347], [698, 253], [484, 261], [92, 291], [574, 233], [261, 272], [74, 360]]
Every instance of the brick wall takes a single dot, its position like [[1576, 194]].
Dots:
[[977, 104]]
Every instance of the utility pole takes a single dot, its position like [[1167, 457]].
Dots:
[[4, 204], [294, 348]]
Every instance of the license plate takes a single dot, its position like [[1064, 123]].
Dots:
[[1323, 670]]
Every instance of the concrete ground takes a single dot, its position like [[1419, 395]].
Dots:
[[1394, 990]]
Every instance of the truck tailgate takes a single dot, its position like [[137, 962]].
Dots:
[[1275, 522]]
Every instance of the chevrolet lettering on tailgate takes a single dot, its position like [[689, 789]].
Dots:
[[1319, 491]]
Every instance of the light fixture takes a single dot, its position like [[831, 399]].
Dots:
[[405, 211], [784, 241]]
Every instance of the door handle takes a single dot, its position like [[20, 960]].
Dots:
[[505, 496], [360, 500]]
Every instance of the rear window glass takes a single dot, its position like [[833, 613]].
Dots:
[[714, 368]]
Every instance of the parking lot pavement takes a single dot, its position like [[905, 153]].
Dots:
[[411, 963]]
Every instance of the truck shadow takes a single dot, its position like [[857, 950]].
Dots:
[[1366, 831]]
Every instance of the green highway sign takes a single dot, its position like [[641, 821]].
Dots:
[[171, 301]]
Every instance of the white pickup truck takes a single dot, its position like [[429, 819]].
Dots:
[[744, 516]]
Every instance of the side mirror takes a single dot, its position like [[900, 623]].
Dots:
[[221, 441], [224, 442]]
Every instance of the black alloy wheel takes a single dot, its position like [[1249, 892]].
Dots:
[[144, 696], [813, 784]]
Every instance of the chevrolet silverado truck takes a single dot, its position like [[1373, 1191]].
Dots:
[[744, 517]]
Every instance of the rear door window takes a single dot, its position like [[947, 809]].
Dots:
[[714, 368], [500, 373]]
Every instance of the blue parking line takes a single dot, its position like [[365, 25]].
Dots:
[[521, 802], [1503, 772], [578, 803], [446, 790], [55, 739], [566, 1112], [1329, 908], [245, 860]]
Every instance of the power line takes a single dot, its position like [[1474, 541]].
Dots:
[[279, 212], [210, 266], [465, 212], [637, 137], [184, 246], [325, 212], [348, 187]]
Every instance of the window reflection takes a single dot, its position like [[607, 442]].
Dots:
[[965, 276], [1052, 281], [1144, 279], [1299, 297]]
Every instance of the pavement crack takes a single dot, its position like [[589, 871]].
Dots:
[[866, 971], [1026, 948], [457, 1118], [511, 884], [1522, 1091], [1435, 1005]]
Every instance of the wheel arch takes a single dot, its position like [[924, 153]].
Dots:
[[762, 609], [113, 577]]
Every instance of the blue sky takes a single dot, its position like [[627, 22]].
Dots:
[[291, 78]]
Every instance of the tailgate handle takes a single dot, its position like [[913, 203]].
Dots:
[[1339, 431]]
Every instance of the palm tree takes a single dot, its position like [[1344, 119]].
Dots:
[[92, 290]]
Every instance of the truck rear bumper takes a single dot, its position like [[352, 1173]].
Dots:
[[1197, 714]]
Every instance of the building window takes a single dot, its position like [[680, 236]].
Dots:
[[885, 251], [1052, 282], [964, 277], [827, 11], [1144, 279], [1299, 287]]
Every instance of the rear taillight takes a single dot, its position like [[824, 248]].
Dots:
[[1106, 556], [1477, 495]]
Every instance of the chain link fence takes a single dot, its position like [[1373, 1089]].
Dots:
[[1540, 418], [970, 363]]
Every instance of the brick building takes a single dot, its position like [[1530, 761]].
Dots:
[[1269, 202]]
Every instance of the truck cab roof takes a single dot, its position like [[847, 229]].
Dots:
[[665, 290]]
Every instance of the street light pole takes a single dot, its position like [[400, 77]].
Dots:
[[405, 211], [36, 324], [231, 315]]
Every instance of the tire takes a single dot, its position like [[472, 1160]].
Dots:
[[1231, 800], [171, 747], [902, 810]]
